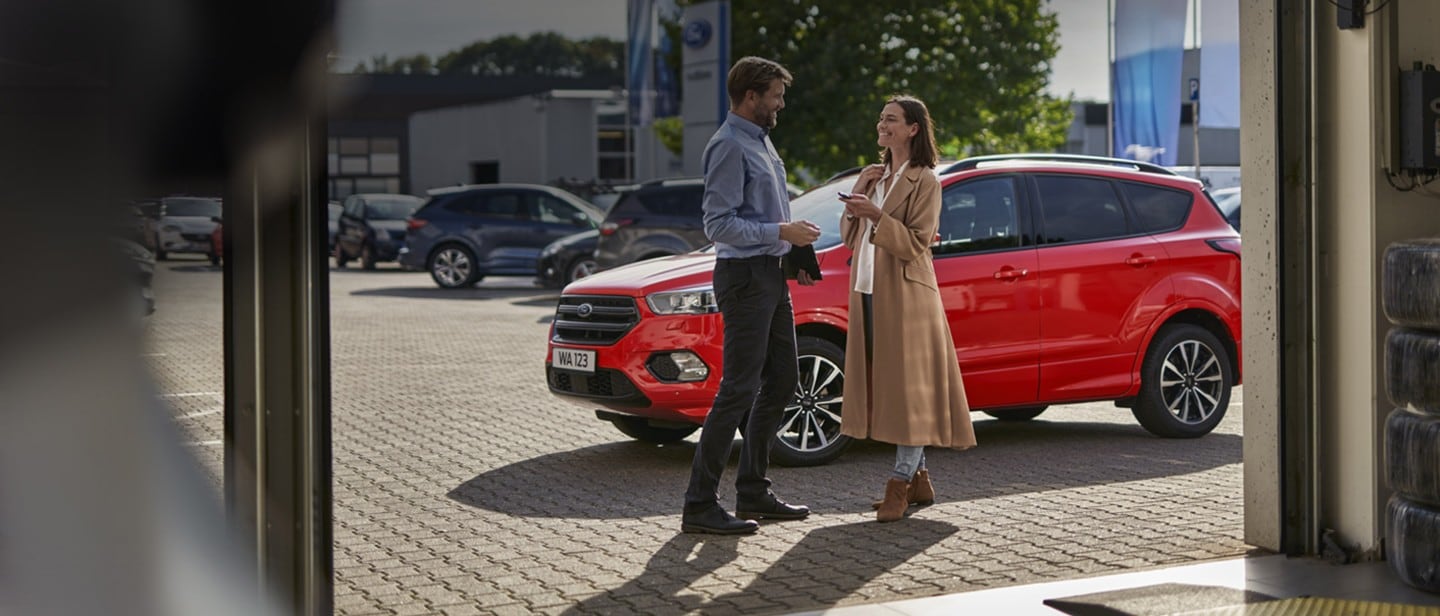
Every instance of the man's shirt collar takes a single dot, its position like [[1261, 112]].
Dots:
[[748, 127]]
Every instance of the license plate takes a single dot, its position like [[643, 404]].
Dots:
[[575, 359]]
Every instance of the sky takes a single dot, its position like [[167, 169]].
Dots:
[[366, 28]]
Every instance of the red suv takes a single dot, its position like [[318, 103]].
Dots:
[[1065, 278]]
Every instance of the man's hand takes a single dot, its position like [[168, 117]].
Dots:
[[799, 232], [803, 277]]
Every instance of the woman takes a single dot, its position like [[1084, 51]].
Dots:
[[904, 382]]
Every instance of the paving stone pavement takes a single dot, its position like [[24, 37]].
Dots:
[[461, 486]]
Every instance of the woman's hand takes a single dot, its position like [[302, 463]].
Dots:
[[868, 177], [860, 206]]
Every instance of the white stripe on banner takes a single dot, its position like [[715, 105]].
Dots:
[[1220, 63], [1149, 42]]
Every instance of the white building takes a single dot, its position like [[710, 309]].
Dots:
[[550, 138]]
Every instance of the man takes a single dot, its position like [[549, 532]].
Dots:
[[747, 216]]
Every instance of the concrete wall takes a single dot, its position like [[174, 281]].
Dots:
[[444, 142], [1260, 170], [1357, 214], [536, 139], [570, 147]]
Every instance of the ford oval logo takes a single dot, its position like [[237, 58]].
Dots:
[[584, 311], [697, 33]]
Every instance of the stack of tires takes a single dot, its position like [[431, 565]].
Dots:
[[1411, 289]]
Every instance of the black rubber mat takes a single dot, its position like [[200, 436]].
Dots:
[[1158, 600]]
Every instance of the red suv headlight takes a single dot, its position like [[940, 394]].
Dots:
[[688, 301]]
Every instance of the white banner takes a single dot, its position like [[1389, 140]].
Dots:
[[1220, 63]]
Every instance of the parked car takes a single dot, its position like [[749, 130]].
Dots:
[[335, 208], [567, 259], [217, 241], [184, 225], [658, 218], [371, 227], [1066, 279], [1228, 200], [139, 263], [465, 233]]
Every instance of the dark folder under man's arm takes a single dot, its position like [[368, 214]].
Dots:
[[801, 258]]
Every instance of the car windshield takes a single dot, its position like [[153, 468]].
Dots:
[[391, 208], [823, 207], [203, 208]]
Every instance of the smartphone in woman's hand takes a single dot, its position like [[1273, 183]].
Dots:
[[846, 195]]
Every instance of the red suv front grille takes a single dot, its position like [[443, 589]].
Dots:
[[594, 319]]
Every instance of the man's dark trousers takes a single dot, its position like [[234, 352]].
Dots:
[[758, 356]]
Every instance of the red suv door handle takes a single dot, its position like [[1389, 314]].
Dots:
[[1011, 274], [1140, 261]]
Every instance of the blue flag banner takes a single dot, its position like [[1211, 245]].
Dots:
[[1220, 64], [639, 67], [1149, 55], [667, 87]]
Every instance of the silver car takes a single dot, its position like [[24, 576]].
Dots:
[[185, 225]]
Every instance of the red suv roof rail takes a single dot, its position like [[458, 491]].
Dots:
[[975, 161]]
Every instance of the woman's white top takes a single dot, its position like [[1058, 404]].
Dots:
[[865, 253]]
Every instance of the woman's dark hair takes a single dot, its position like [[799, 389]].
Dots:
[[753, 74], [923, 151]]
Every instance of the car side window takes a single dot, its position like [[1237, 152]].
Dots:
[[472, 204], [352, 206], [978, 215], [507, 206], [678, 201], [1079, 209], [548, 209], [1158, 209]]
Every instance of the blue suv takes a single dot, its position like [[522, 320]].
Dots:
[[465, 233]]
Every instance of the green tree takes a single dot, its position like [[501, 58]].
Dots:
[[544, 53], [981, 66]]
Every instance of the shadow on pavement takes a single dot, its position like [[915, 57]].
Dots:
[[631, 479], [829, 564], [673, 568]]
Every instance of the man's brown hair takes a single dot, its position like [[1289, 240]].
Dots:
[[923, 152], [753, 74]]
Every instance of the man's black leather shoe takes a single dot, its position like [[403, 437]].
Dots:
[[771, 508], [716, 521]]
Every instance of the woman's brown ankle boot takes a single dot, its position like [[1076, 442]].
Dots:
[[922, 492], [897, 493]]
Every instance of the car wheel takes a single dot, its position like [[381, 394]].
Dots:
[[161, 255], [367, 257], [452, 266], [1184, 383], [214, 258], [340, 259], [1020, 414], [809, 433], [581, 267], [641, 429]]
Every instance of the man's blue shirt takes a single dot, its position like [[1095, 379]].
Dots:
[[745, 198]]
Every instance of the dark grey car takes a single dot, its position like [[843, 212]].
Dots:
[[657, 219], [465, 233], [372, 228]]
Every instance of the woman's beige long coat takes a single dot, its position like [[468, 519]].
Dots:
[[914, 395]]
